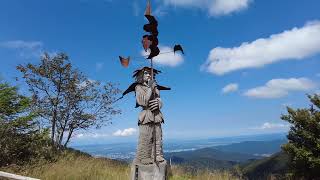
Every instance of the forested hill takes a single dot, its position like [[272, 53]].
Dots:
[[254, 147], [209, 158], [226, 156], [260, 169]]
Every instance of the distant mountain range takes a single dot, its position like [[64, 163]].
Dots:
[[209, 158], [246, 146], [226, 156], [258, 148]]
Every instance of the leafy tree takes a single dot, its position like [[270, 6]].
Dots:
[[20, 137], [66, 99], [304, 139]]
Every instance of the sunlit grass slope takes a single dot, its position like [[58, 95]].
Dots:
[[179, 173], [78, 166]]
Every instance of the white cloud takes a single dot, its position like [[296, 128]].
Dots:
[[160, 11], [26, 49], [187, 3], [286, 104], [19, 44], [86, 83], [277, 88], [244, 74], [166, 59], [223, 7], [230, 88], [297, 43], [99, 66], [214, 7], [135, 8], [125, 132], [269, 126], [91, 135]]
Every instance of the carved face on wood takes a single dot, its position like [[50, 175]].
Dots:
[[146, 76]]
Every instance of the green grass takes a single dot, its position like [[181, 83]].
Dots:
[[72, 165]]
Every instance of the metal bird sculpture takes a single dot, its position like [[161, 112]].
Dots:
[[124, 61], [178, 47]]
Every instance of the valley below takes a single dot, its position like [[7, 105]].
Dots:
[[213, 153]]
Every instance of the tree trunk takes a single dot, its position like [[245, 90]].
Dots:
[[53, 128], [64, 129], [52, 132], [61, 137], [58, 138], [69, 136]]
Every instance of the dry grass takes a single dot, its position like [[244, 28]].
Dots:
[[179, 173], [72, 166]]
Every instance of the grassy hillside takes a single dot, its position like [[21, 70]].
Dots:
[[180, 173], [73, 165]]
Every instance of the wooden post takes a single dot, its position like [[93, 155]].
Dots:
[[154, 128]]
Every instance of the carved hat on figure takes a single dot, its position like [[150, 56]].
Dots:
[[138, 74]]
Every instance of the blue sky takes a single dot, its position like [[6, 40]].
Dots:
[[245, 59]]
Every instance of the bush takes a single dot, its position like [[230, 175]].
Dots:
[[21, 140]]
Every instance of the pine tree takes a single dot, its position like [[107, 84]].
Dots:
[[304, 139]]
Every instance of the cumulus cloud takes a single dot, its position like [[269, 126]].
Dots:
[[277, 88], [125, 132], [223, 7], [297, 43], [91, 135], [268, 125], [26, 49], [166, 59], [214, 7], [230, 88]]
